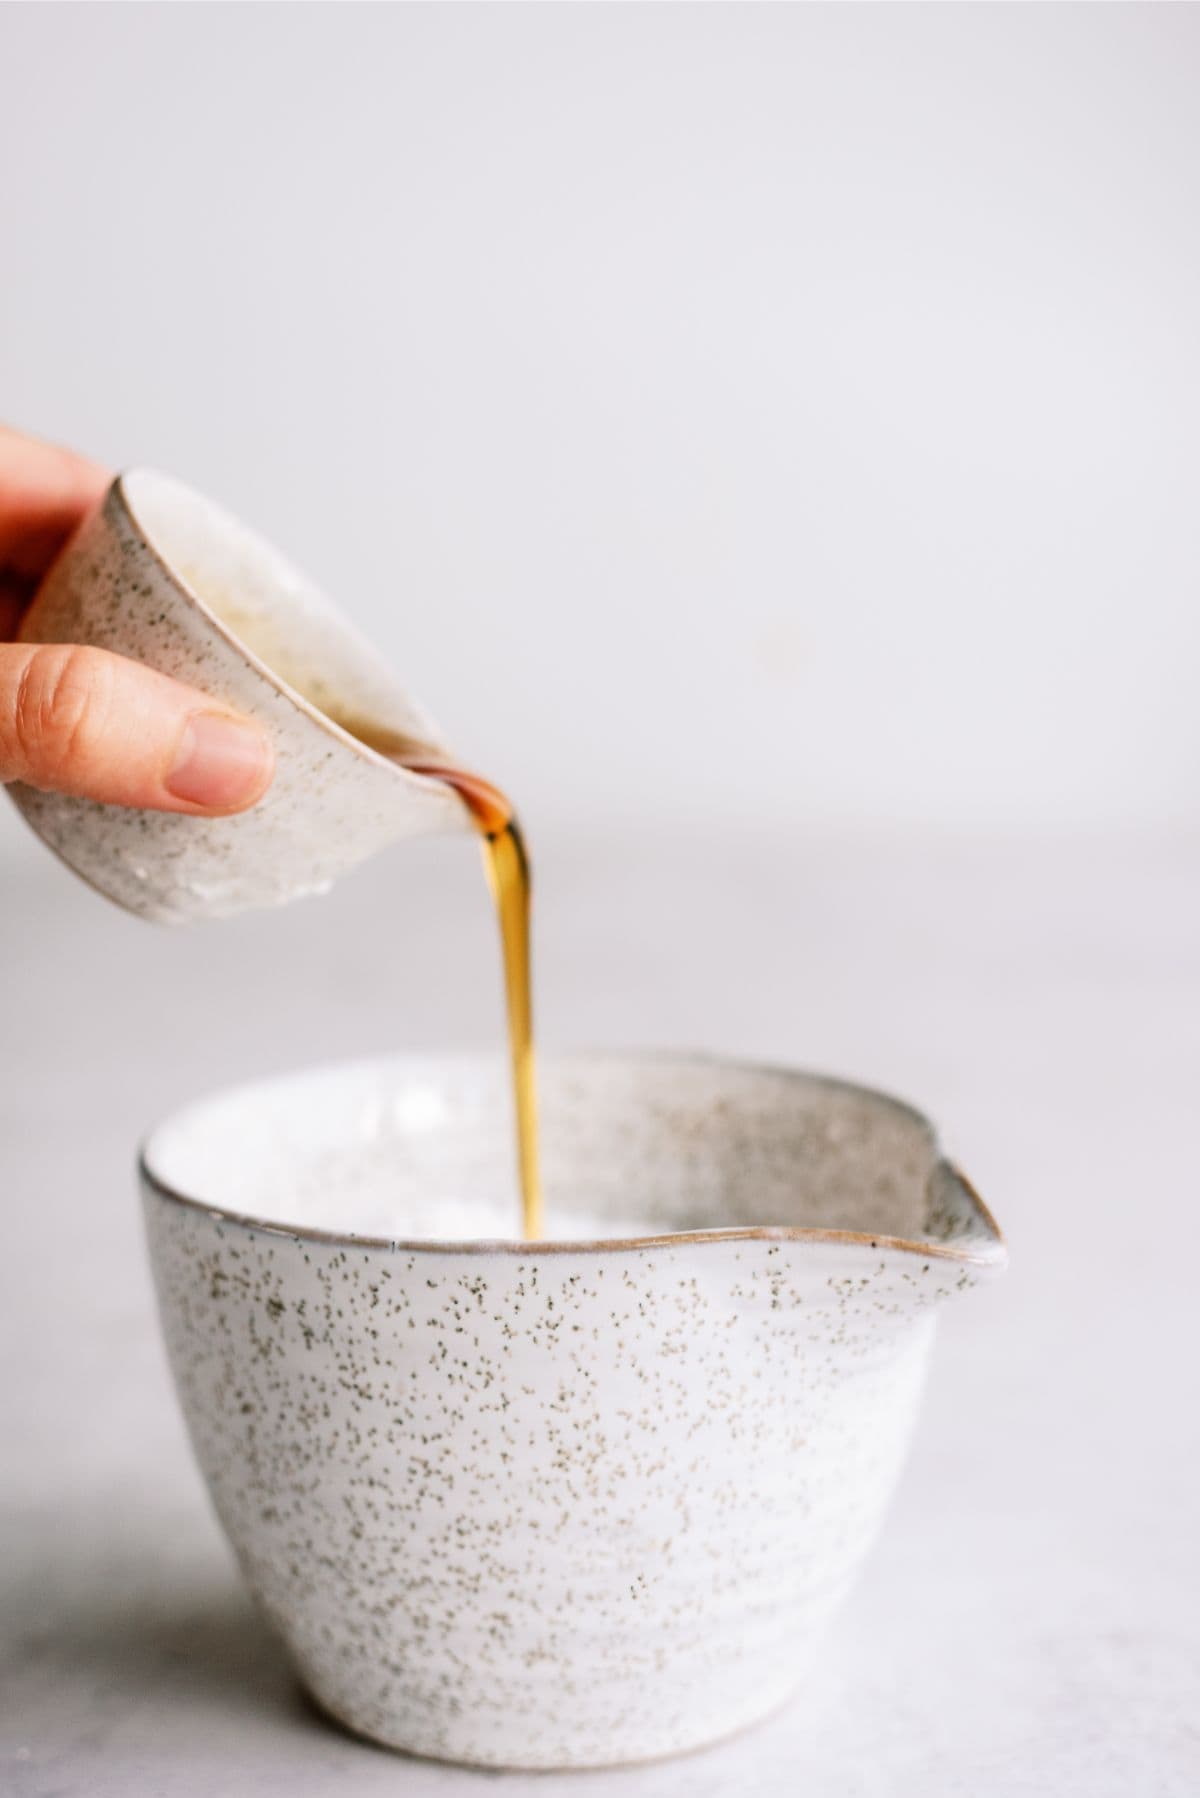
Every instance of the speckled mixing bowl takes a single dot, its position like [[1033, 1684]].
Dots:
[[565, 1504]]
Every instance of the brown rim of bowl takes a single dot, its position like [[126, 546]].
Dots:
[[988, 1256], [119, 497]]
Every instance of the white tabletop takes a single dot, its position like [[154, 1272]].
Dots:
[[1029, 1622]]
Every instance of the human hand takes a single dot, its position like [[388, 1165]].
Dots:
[[79, 720]]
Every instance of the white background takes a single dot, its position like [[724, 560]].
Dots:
[[780, 415], [767, 439]]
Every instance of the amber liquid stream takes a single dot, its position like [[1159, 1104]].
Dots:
[[507, 866]]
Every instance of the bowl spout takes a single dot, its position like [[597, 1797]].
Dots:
[[959, 1226]]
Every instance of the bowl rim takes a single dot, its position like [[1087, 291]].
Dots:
[[985, 1253]]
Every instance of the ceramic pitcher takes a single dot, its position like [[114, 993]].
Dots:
[[163, 575]]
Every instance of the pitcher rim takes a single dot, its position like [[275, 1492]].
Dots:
[[119, 496]]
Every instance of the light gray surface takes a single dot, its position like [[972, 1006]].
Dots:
[[831, 370], [1028, 1624]]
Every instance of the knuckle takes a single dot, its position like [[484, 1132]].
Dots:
[[62, 705]]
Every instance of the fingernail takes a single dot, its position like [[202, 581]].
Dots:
[[221, 762]]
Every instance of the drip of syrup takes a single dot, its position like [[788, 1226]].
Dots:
[[507, 865]]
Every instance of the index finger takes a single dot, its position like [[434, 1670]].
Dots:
[[45, 492]]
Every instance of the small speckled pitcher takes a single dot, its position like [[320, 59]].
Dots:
[[163, 575], [568, 1503]]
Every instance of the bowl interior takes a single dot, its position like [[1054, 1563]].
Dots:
[[632, 1146]]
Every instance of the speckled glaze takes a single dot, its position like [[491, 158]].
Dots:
[[571, 1503], [163, 575]]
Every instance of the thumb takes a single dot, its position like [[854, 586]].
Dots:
[[86, 722]]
